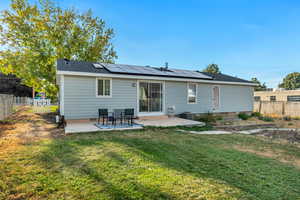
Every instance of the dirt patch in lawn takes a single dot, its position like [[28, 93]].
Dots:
[[292, 136], [288, 124], [24, 126], [269, 153], [239, 122]]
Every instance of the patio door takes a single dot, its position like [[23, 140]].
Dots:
[[150, 97]]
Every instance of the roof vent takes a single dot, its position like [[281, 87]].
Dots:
[[97, 66]]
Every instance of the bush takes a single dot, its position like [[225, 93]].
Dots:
[[243, 116], [256, 114], [219, 118], [266, 119], [208, 118], [287, 118]]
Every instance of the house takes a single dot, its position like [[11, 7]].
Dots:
[[278, 95], [10, 84], [151, 91]]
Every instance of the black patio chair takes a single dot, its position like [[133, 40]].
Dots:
[[118, 115], [128, 115], [104, 114]]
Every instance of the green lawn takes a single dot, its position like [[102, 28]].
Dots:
[[149, 164]]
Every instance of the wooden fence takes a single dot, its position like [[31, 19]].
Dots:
[[278, 108], [6, 105]]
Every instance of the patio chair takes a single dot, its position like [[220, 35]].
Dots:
[[104, 114], [128, 115], [118, 115]]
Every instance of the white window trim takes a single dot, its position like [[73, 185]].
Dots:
[[110, 89], [196, 99]]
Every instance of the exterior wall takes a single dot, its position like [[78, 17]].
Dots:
[[233, 98], [80, 101], [280, 95], [236, 98]]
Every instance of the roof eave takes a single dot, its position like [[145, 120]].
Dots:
[[113, 75]]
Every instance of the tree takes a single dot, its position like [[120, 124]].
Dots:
[[212, 68], [260, 87], [291, 81], [34, 36]]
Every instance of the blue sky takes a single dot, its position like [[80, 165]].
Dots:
[[247, 38]]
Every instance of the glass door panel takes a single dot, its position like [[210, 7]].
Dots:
[[144, 97], [150, 97], [156, 97]]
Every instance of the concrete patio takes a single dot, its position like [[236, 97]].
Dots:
[[168, 122], [82, 127]]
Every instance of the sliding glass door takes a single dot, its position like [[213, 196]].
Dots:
[[150, 97]]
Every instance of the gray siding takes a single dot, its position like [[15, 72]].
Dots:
[[81, 102], [233, 98], [236, 98], [176, 95]]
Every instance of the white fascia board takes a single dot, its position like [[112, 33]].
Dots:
[[151, 78], [62, 95]]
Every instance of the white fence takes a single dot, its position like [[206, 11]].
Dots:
[[22, 101], [6, 105], [30, 101]]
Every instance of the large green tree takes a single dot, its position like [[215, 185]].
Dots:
[[34, 36], [291, 81], [260, 86], [212, 68]]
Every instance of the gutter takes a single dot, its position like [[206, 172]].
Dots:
[[142, 77]]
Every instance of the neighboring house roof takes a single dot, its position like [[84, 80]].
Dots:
[[10, 84], [64, 65]]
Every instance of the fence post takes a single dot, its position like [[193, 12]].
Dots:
[[283, 108], [259, 107]]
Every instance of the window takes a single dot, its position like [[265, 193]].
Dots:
[[272, 98], [257, 98], [192, 93], [293, 98], [103, 87]]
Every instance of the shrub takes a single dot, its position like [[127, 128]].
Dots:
[[266, 119], [256, 114], [219, 118], [287, 118], [208, 118], [243, 116]]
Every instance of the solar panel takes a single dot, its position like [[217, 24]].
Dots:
[[146, 70]]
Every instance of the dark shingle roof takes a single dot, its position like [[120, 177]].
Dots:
[[83, 66], [78, 66], [226, 78]]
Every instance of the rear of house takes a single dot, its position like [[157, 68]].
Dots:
[[86, 87]]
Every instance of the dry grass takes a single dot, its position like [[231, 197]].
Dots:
[[24, 127], [274, 154]]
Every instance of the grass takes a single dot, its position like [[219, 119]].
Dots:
[[148, 164]]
